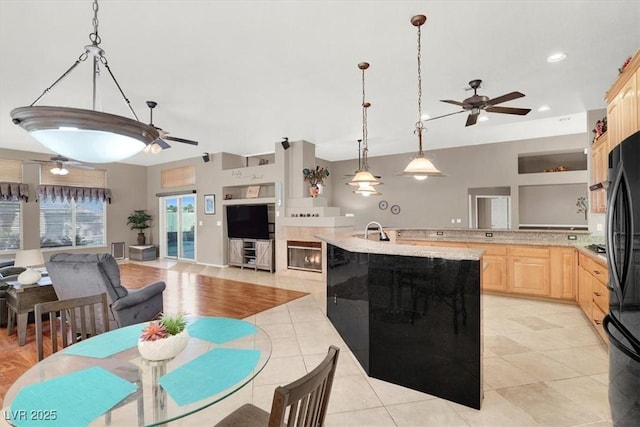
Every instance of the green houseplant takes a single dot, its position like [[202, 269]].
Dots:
[[139, 220], [163, 339]]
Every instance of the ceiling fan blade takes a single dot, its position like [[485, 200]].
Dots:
[[81, 166], [184, 141], [162, 143], [505, 98], [472, 119], [507, 110], [444, 115], [451, 101]]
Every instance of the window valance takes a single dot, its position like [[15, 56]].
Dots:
[[64, 192], [14, 191]]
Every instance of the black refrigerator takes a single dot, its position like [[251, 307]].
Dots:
[[622, 323]]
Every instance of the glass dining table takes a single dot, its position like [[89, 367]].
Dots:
[[104, 381]]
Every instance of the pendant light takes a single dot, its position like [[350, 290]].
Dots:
[[364, 179], [86, 135], [420, 167]]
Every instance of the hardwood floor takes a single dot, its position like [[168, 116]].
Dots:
[[190, 293]]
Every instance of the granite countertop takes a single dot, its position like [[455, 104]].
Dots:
[[504, 237], [352, 242]]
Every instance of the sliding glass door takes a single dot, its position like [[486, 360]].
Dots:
[[178, 226]]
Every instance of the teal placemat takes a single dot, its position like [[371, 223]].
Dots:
[[108, 344], [70, 400], [219, 330], [209, 374]]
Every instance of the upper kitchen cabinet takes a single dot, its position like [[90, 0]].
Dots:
[[599, 167], [623, 111]]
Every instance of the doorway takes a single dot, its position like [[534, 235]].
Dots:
[[493, 212], [178, 226]]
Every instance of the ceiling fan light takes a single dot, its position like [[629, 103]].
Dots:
[[364, 178], [155, 148], [557, 57], [421, 168]]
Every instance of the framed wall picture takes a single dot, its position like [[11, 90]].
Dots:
[[209, 204], [253, 191]]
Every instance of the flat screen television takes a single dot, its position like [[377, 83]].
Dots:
[[247, 222]]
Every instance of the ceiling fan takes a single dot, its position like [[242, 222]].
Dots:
[[61, 163], [477, 103], [160, 143]]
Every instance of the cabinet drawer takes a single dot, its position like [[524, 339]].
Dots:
[[600, 296], [597, 315], [528, 251]]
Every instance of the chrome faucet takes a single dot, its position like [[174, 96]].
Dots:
[[383, 235]]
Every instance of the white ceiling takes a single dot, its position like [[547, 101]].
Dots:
[[239, 75]]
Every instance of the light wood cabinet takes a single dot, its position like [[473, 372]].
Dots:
[[529, 271], [564, 273], [593, 294], [599, 168], [623, 99], [494, 267], [541, 271]]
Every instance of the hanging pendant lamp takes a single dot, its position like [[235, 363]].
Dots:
[[364, 179], [420, 167], [86, 135]]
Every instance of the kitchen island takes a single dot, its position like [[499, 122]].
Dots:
[[410, 314]]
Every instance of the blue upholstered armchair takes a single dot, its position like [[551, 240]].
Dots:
[[79, 275]]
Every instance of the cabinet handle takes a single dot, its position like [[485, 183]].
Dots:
[[597, 322], [597, 294], [597, 272], [335, 298]]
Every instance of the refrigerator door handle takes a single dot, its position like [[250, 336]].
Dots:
[[619, 280], [633, 353]]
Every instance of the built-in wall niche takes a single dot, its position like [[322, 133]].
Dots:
[[552, 206], [235, 162], [552, 162]]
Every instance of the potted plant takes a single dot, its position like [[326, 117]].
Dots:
[[139, 220], [163, 339], [315, 177]]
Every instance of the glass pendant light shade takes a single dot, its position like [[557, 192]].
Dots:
[[364, 177], [367, 190], [420, 166], [85, 135], [59, 170]]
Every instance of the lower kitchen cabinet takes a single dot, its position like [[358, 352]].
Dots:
[[494, 267], [529, 271], [593, 294]]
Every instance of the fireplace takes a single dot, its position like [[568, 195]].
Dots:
[[306, 256]]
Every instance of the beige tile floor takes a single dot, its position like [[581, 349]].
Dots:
[[543, 365]]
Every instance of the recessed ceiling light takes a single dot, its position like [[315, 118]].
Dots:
[[425, 117], [544, 108], [556, 57], [483, 118]]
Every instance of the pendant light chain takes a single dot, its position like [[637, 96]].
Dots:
[[94, 37], [365, 133], [419, 124]]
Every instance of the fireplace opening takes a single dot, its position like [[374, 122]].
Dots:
[[305, 256]]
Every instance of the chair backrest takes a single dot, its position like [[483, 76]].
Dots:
[[304, 402], [79, 275], [83, 309]]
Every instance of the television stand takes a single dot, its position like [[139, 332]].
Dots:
[[257, 254]]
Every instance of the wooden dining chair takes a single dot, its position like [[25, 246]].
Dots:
[[302, 403], [77, 320]]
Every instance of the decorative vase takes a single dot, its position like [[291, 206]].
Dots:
[[314, 190], [141, 239], [165, 348]]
